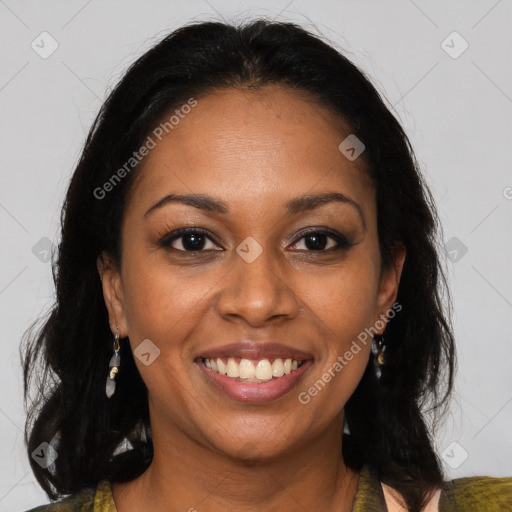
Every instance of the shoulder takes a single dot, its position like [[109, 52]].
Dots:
[[80, 502], [478, 493], [92, 499]]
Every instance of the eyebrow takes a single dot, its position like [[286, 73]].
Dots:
[[294, 206]]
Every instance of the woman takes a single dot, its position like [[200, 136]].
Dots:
[[248, 310]]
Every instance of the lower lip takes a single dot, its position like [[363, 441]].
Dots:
[[255, 392]]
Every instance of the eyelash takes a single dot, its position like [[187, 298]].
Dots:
[[341, 240]]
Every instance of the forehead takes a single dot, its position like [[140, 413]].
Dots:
[[249, 145]]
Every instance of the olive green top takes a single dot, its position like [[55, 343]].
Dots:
[[471, 494]]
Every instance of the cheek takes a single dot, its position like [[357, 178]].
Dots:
[[168, 307], [160, 301], [344, 299], [164, 307], [342, 306]]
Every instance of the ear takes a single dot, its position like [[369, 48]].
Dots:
[[112, 293], [389, 281]]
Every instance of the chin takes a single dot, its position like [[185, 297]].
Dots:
[[252, 450]]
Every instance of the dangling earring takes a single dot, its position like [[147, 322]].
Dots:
[[378, 349], [114, 367], [346, 429]]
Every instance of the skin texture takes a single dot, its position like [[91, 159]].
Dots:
[[255, 150]]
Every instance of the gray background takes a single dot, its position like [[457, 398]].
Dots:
[[456, 109]]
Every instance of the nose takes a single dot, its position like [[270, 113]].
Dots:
[[256, 292]]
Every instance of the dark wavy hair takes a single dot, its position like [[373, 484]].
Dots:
[[391, 422]]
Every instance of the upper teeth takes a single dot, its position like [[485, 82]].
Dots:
[[252, 369]]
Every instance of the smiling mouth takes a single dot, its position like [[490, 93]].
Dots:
[[252, 370]]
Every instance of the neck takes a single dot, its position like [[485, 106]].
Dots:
[[186, 475]]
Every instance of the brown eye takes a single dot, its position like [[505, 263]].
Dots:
[[188, 240], [322, 241]]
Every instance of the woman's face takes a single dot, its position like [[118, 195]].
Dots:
[[261, 270]]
